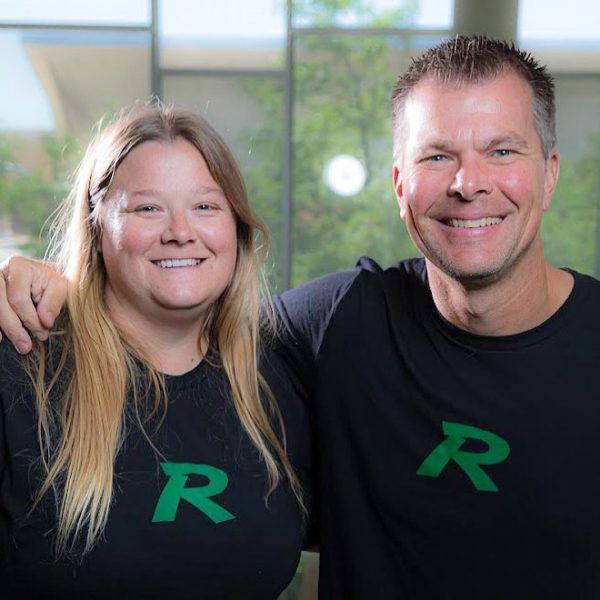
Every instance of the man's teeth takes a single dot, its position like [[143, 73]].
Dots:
[[485, 222], [177, 262]]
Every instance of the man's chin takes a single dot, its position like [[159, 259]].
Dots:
[[476, 277]]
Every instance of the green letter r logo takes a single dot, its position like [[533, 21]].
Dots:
[[450, 449], [176, 490]]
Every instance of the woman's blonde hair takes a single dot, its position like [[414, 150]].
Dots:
[[82, 400]]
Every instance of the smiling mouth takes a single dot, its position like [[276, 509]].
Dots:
[[170, 263], [472, 223]]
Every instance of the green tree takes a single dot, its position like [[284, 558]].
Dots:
[[570, 227], [342, 85], [341, 101], [263, 167], [30, 196]]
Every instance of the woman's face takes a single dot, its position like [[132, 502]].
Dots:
[[168, 235]]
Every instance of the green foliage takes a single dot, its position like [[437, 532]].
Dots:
[[342, 97], [263, 167], [569, 228], [29, 196], [342, 85], [300, 588], [341, 106], [323, 13]]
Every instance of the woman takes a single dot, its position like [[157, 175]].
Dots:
[[102, 489]]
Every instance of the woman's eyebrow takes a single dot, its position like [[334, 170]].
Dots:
[[200, 190]]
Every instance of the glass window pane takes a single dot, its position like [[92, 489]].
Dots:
[[577, 113], [248, 113], [344, 204], [556, 22], [435, 14], [568, 41], [27, 107], [82, 12], [210, 56], [255, 55], [226, 18], [570, 228], [222, 35], [430, 14], [64, 81]]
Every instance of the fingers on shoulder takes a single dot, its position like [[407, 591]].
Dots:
[[11, 324]]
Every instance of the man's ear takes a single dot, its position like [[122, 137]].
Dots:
[[398, 189], [550, 178]]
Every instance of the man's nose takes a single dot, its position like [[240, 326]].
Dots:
[[471, 179]]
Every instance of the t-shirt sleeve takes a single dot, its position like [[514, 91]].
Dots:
[[305, 311], [303, 315], [3, 379], [4, 468], [2, 441]]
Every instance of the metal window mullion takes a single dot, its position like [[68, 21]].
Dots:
[[369, 31], [288, 156], [188, 72], [73, 27], [155, 71]]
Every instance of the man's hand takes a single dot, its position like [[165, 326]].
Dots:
[[31, 296]]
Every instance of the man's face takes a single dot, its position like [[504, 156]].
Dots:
[[471, 179]]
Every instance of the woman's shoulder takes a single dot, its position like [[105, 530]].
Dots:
[[12, 364], [16, 370], [17, 400]]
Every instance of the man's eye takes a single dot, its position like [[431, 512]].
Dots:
[[436, 158], [503, 152]]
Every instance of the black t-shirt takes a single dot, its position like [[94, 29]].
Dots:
[[452, 466], [191, 523]]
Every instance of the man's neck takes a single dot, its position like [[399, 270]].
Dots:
[[515, 303]]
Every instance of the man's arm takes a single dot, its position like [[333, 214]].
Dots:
[[303, 316], [32, 294]]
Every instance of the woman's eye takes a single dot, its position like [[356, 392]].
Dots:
[[146, 208]]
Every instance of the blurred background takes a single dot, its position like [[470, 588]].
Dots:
[[300, 91]]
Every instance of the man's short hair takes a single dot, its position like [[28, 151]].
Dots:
[[477, 59]]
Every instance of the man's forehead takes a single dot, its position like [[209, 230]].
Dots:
[[442, 115], [442, 86], [445, 103]]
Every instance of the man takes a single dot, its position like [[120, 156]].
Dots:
[[455, 396]]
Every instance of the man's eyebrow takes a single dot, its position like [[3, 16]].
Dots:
[[512, 141], [436, 146]]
